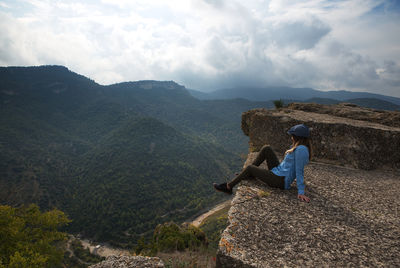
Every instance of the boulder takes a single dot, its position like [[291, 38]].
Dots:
[[335, 139]]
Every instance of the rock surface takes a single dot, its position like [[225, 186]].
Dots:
[[351, 111], [129, 262], [337, 140], [353, 218]]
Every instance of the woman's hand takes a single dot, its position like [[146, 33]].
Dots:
[[302, 197]]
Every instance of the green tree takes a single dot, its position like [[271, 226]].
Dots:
[[29, 238], [278, 103]]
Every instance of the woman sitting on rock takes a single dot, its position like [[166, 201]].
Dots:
[[279, 175]]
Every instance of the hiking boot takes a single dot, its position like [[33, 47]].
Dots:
[[223, 187]]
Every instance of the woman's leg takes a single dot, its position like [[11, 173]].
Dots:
[[252, 171], [266, 153]]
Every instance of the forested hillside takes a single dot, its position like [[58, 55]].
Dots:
[[117, 159]]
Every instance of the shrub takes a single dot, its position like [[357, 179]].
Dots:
[[278, 103], [169, 237]]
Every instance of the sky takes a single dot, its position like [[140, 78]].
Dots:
[[211, 44]]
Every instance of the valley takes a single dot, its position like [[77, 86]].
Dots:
[[123, 158], [118, 159]]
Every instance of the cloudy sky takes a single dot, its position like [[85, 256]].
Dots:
[[211, 44]]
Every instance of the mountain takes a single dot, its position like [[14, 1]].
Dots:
[[257, 94], [200, 94], [144, 173], [118, 159], [213, 120], [375, 104], [275, 93]]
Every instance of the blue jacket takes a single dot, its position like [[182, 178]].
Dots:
[[292, 167]]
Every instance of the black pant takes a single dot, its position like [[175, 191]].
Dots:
[[253, 171]]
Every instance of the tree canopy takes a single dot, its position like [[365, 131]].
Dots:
[[29, 237]]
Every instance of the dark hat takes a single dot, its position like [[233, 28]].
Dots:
[[299, 131]]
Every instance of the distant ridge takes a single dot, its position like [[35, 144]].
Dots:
[[274, 93], [362, 102]]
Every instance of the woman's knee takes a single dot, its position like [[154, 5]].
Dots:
[[266, 147], [247, 169], [254, 171], [250, 169]]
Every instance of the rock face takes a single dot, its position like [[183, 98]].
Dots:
[[353, 217], [129, 262], [336, 139]]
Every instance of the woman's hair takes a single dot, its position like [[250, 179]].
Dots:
[[300, 141]]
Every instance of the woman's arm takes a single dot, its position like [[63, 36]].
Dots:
[[301, 159]]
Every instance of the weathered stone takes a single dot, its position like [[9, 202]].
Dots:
[[352, 220], [337, 140], [353, 217], [129, 262]]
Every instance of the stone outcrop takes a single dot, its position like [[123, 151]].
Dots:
[[129, 262], [336, 139], [353, 217], [351, 111], [352, 220]]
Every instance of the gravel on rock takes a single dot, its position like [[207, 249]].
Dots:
[[129, 262]]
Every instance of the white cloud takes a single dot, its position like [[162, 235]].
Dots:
[[4, 5], [209, 44]]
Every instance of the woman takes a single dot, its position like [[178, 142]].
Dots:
[[279, 175]]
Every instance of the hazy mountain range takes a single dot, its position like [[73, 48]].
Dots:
[[297, 94]]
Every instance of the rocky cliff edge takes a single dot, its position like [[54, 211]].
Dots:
[[129, 262], [342, 138], [353, 217]]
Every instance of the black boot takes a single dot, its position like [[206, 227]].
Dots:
[[223, 187]]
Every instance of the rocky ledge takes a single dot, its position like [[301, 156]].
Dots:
[[351, 111], [337, 139], [353, 218], [352, 221], [129, 262]]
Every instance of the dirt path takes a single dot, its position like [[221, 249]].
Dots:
[[218, 207], [105, 250]]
